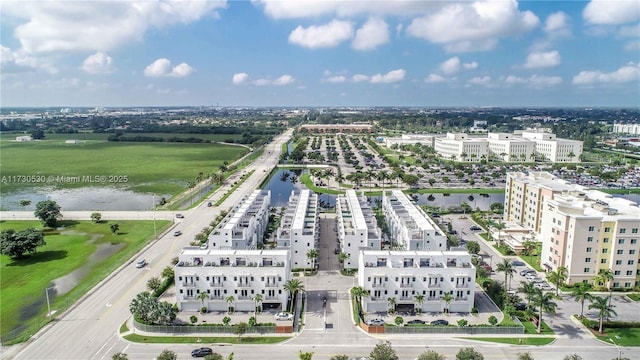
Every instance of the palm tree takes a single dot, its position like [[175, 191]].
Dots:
[[580, 292], [605, 276], [604, 310], [392, 304], [293, 286], [447, 300], [528, 289], [544, 302], [499, 226], [508, 269], [342, 257], [230, 300], [202, 297], [312, 254], [258, 301], [558, 277], [419, 300]]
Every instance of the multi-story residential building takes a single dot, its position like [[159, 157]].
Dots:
[[244, 226], [357, 227], [509, 147], [461, 147], [631, 129], [409, 227], [231, 278], [403, 275], [588, 231], [550, 148], [299, 227]]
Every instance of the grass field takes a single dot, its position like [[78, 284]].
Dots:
[[621, 336], [245, 340], [23, 282], [160, 168], [103, 136], [535, 341]]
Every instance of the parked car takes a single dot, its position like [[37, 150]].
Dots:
[[179, 216], [283, 316], [375, 322], [177, 233], [141, 263], [336, 251], [201, 352], [440, 322], [416, 322], [453, 232], [518, 263], [204, 246], [521, 306], [526, 271], [475, 228]]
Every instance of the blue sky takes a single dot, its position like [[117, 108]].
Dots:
[[320, 53]]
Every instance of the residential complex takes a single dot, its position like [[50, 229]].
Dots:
[[356, 226], [244, 226], [299, 227], [416, 280], [631, 129], [583, 230], [231, 278], [409, 227]]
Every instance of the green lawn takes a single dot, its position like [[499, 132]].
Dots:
[[204, 340], [161, 168], [103, 136], [306, 180], [634, 296], [532, 260], [23, 282], [621, 336], [535, 341]]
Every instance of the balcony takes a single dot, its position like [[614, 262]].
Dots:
[[216, 284], [243, 284], [406, 285], [189, 284], [461, 285], [377, 285], [462, 298]]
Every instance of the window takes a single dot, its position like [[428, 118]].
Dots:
[[634, 241], [634, 230], [589, 249], [605, 240], [616, 273], [627, 284], [607, 229], [631, 262], [618, 262], [591, 228], [620, 241], [590, 239], [620, 252], [605, 250], [616, 284], [623, 231], [603, 261], [629, 272], [587, 260], [631, 252], [587, 270]]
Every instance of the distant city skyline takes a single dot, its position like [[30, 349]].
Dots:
[[320, 53]]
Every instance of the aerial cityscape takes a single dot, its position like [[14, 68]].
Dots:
[[385, 180]]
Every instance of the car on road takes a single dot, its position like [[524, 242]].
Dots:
[[201, 352], [453, 232], [283, 316], [179, 216], [527, 271], [518, 263], [416, 322], [141, 263], [375, 322], [177, 233], [475, 228], [440, 322]]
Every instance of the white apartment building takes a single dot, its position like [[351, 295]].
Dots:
[[460, 147], [403, 275], [550, 148], [231, 278], [409, 226], [509, 147], [410, 139], [589, 231], [356, 226], [244, 226], [631, 129], [299, 227]]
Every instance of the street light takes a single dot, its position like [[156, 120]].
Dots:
[[46, 292], [617, 347]]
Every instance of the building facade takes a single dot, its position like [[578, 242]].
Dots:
[[231, 278], [356, 227], [460, 147], [244, 226], [409, 227], [299, 227], [417, 280]]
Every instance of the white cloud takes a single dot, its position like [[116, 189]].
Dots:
[[543, 59], [16, 61], [98, 63], [336, 79], [611, 12], [473, 26], [390, 77], [163, 68], [359, 78], [372, 34], [470, 66], [627, 73], [323, 36], [52, 26], [435, 78], [481, 80], [512, 79], [240, 78], [534, 81], [284, 80], [450, 66], [280, 81], [557, 25], [290, 9]]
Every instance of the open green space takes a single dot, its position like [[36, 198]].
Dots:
[[535, 341], [82, 136], [455, 191], [204, 340], [160, 168], [621, 336], [306, 180], [23, 282], [634, 296]]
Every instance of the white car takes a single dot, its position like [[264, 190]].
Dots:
[[375, 322], [204, 246], [141, 263], [283, 316]]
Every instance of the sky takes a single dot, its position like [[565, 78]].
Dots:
[[320, 53]]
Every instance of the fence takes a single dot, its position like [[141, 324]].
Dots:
[[202, 329], [465, 330]]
